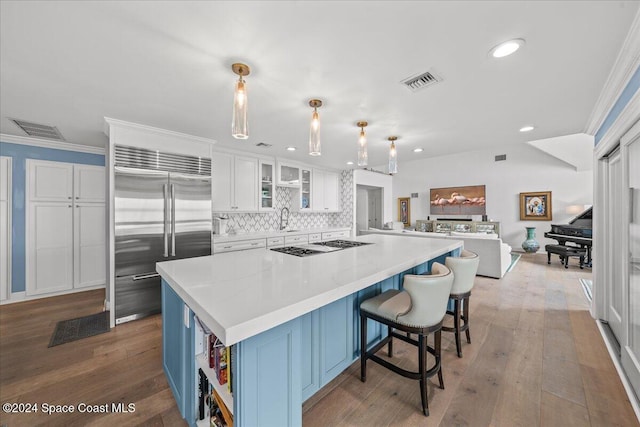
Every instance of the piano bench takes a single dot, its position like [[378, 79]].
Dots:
[[565, 252]]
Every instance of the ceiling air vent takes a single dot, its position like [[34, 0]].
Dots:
[[501, 157], [37, 130], [421, 81], [263, 144]]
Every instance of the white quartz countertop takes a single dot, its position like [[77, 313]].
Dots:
[[218, 238], [241, 294]]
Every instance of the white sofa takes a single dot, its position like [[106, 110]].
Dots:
[[495, 256]]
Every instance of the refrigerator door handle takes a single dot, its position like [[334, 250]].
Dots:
[[144, 276], [166, 218], [173, 220]]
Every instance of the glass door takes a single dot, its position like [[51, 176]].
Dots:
[[267, 194], [305, 189]]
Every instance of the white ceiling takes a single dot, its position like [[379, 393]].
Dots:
[[168, 65]]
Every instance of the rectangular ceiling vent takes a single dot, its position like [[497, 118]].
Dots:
[[501, 157], [37, 130], [263, 144], [421, 81]]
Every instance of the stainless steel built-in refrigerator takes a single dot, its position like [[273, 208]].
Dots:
[[162, 212]]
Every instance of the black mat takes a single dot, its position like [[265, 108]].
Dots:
[[82, 327]]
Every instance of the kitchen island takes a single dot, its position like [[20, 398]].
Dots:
[[292, 321]]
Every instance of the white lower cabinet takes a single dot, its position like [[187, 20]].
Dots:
[[89, 245], [50, 248], [315, 237], [273, 242], [65, 236], [296, 240], [333, 235], [239, 245]]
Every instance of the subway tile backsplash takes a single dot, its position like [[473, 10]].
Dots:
[[270, 221]]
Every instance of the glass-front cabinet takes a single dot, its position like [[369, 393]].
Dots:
[[288, 174], [305, 189], [267, 188]]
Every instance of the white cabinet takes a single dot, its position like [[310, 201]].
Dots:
[[267, 188], [273, 242], [288, 174], [334, 235], [66, 233], [301, 239], [234, 183], [89, 244], [325, 191], [5, 226], [239, 245]]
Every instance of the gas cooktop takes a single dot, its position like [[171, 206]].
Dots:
[[321, 247], [342, 244]]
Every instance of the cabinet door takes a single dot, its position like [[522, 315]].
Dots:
[[317, 190], [88, 183], [267, 189], [331, 191], [221, 182], [178, 350], [246, 183], [336, 338], [50, 247], [89, 258], [50, 181]]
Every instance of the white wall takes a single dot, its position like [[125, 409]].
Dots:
[[526, 169]]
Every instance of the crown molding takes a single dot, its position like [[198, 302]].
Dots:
[[57, 145], [115, 123], [627, 118], [624, 67]]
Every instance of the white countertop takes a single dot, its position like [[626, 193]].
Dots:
[[241, 294], [218, 238]]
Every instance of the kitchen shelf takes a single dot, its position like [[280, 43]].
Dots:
[[222, 390]]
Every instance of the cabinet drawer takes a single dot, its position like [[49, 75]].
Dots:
[[288, 240], [333, 235], [275, 241], [315, 237], [239, 246]]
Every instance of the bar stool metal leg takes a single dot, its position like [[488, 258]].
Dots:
[[363, 348]]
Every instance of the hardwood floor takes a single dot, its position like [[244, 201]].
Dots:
[[536, 358]]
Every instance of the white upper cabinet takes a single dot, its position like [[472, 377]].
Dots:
[[234, 183], [288, 174], [326, 191], [50, 181], [89, 183]]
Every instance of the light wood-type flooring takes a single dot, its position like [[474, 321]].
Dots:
[[536, 359]]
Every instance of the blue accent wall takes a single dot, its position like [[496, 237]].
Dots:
[[20, 153], [618, 107]]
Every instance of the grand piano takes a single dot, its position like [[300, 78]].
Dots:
[[578, 231]]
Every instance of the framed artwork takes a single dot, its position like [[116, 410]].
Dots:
[[535, 206], [404, 210], [468, 200]]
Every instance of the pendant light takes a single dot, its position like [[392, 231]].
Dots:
[[363, 156], [314, 131], [393, 155], [239, 125]]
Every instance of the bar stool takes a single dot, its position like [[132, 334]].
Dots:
[[419, 309], [464, 270]]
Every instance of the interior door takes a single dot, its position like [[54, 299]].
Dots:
[[5, 227], [631, 352], [617, 256], [190, 216]]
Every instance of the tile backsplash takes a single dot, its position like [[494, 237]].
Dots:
[[270, 221]]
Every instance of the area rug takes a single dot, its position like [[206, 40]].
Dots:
[[587, 286], [82, 327], [514, 261]]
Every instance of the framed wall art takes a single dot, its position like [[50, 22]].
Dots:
[[467, 200], [404, 210], [535, 206]]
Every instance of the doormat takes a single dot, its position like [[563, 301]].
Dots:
[[587, 286], [82, 327], [514, 261]]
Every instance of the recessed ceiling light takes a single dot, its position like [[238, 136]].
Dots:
[[349, 163], [418, 150], [527, 128], [506, 48], [291, 148]]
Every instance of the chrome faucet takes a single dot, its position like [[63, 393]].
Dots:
[[284, 219]]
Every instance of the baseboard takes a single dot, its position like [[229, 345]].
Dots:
[[623, 377], [22, 296]]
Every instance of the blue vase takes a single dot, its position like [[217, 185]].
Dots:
[[531, 245]]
